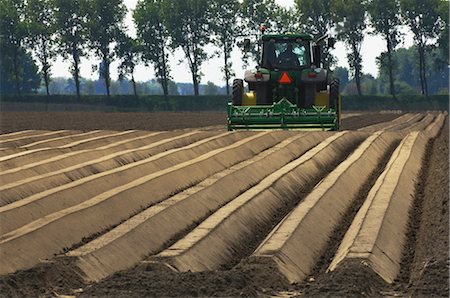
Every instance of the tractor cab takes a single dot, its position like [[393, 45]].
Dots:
[[288, 90]]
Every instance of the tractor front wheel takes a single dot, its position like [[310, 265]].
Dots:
[[238, 91]]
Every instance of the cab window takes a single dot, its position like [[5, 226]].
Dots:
[[289, 54]]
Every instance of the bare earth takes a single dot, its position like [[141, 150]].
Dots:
[[96, 210]]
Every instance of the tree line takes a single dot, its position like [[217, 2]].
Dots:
[[76, 29]]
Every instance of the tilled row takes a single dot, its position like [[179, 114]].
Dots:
[[51, 233], [378, 232], [269, 197], [128, 243], [27, 182]]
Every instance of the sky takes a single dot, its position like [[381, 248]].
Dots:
[[371, 48]]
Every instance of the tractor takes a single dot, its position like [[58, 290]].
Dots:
[[289, 89]]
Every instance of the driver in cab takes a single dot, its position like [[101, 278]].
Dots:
[[288, 57]]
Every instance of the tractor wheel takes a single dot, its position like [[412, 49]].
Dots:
[[334, 99], [238, 91]]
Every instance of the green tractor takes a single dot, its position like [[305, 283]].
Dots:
[[289, 89]]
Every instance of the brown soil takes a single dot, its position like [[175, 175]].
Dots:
[[425, 264], [15, 121], [429, 245]]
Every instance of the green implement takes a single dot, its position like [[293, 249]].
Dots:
[[281, 115]]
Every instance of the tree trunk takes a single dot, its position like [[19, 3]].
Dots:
[[357, 65], [390, 67], [106, 75], [424, 72], [76, 70], [227, 72], [16, 71], [195, 82], [421, 68], [164, 83], [45, 66], [134, 85]]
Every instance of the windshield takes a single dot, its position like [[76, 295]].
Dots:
[[285, 54]]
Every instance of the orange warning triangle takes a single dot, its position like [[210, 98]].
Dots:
[[285, 78]]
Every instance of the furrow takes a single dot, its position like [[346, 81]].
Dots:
[[407, 118], [298, 242], [24, 185], [29, 154], [420, 125], [12, 135], [24, 158], [64, 139], [377, 234], [23, 211], [23, 140], [51, 234], [246, 219], [127, 244]]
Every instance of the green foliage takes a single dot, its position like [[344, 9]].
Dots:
[[423, 19], [128, 50], [71, 23], [342, 74], [315, 17], [105, 23], [218, 102], [225, 28], [384, 18], [188, 23], [40, 20], [154, 38], [350, 19], [408, 68], [13, 31], [443, 42], [30, 79], [254, 13]]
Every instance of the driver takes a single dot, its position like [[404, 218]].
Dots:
[[288, 57]]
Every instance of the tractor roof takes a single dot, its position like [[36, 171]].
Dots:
[[287, 36]]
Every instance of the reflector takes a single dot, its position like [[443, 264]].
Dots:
[[285, 78]]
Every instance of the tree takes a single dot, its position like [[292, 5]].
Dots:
[[342, 74], [30, 79], [254, 13], [105, 23], [154, 38], [210, 89], [128, 50], [188, 25], [384, 18], [71, 23], [443, 11], [349, 16], [41, 27], [315, 18], [423, 19], [224, 25], [13, 31]]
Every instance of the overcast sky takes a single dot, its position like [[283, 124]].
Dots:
[[371, 48]]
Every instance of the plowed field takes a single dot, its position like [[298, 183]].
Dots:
[[202, 211]]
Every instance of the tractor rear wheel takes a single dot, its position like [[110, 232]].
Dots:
[[334, 100], [238, 91]]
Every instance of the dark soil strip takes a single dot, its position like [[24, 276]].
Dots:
[[425, 264], [322, 284], [16, 121], [45, 280], [84, 121], [366, 119]]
